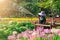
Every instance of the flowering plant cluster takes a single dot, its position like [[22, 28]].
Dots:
[[8, 28], [38, 34]]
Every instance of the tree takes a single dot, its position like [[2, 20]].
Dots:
[[35, 6]]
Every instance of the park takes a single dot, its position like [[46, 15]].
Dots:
[[29, 19]]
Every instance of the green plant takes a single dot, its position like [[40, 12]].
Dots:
[[7, 29]]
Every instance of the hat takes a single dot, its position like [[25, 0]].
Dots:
[[42, 13]]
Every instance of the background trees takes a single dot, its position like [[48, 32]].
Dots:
[[31, 8], [49, 6]]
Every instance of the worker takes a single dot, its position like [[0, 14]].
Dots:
[[42, 17]]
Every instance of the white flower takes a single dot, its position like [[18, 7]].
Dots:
[[14, 32], [55, 30], [34, 33]]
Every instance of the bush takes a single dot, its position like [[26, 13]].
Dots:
[[15, 26]]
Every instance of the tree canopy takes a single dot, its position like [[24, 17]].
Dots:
[[35, 6], [49, 6]]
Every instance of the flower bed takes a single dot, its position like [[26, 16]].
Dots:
[[25, 31], [7, 29], [39, 34]]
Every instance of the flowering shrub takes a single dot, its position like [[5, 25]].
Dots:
[[38, 34]]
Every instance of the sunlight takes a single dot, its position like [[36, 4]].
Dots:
[[5, 8], [2, 1]]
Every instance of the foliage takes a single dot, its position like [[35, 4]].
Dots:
[[8, 29], [38, 34], [33, 8], [49, 6]]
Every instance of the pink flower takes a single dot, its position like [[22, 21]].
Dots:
[[39, 29], [28, 31], [30, 37], [58, 32], [33, 35], [51, 35], [25, 34], [12, 37], [19, 36], [47, 30], [42, 34], [38, 35]]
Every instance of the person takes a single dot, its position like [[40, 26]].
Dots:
[[42, 19]]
